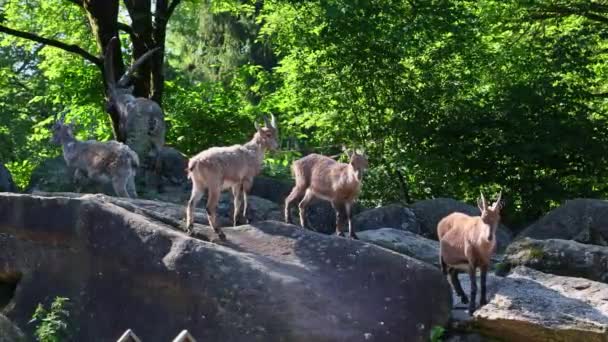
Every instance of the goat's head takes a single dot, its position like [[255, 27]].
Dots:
[[268, 135], [358, 160], [490, 214], [62, 131]]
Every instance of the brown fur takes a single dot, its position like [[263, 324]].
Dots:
[[467, 243], [320, 176], [234, 167]]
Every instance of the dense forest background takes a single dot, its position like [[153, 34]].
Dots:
[[447, 97]]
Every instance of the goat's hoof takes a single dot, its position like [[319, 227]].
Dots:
[[340, 234], [222, 236], [354, 236], [483, 302], [464, 300], [471, 310]]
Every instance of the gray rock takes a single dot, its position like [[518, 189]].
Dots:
[[404, 242], [390, 216], [268, 282], [561, 257], [9, 332], [173, 166], [6, 180], [529, 305], [582, 220], [430, 212], [272, 189]]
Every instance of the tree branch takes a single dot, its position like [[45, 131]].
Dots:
[[51, 42], [171, 8], [125, 28]]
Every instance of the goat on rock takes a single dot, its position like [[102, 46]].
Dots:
[[99, 161], [234, 167], [339, 183], [467, 243]]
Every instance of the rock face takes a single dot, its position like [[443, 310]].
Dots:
[[404, 242], [6, 180], [561, 257], [390, 216], [430, 212], [9, 332], [268, 282], [529, 305], [173, 166], [583, 220]]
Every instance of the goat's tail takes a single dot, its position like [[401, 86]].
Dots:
[[190, 168]]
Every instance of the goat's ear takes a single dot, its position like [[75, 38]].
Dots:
[[256, 125], [481, 202]]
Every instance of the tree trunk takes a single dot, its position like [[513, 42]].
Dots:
[[141, 24]]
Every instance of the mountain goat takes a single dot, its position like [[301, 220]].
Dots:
[[234, 167], [467, 243], [339, 183], [96, 160]]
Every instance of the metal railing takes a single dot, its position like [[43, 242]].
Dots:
[[129, 336]]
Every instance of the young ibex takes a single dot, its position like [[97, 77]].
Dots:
[[220, 168], [96, 160], [339, 183], [467, 243]]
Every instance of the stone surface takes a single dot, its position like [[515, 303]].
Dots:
[[390, 216], [583, 220], [9, 332], [173, 165], [272, 189], [404, 242], [268, 282], [430, 212], [561, 257], [6, 180], [529, 305]]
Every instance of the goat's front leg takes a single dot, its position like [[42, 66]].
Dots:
[[308, 196], [351, 231], [482, 281], [339, 207], [212, 198], [472, 277], [120, 186], [78, 179], [236, 193], [295, 193], [247, 183]]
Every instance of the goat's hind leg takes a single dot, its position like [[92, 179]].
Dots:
[[120, 186], [131, 186], [236, 193], [339, 208], [351, 230], [296, 192], [472, 276], [195, 197], [455, 283], [308, 196]]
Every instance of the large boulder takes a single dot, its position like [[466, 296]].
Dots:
[[529, 305], [173, 165], [53, 175], [561, 257], [430, 212], [582, 220], [272, 189], [404, 242], [390, 216], [130, 268], [6, 180]]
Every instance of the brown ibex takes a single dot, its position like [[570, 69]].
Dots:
[[467, 243], [339, 183], [96, 160], [142, 125], [234, 167]]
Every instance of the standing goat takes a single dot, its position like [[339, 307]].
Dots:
[[467, 243], [142, 125], [220, 168], [320, 176], [98, 160]]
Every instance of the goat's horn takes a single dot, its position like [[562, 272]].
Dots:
[[124, 80], [498, 199], [483, 200], [256, 125], [267, 122], [273, 121], [108, 65], [62, 115]]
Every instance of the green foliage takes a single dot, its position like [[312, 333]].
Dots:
[[52, 323], [437, 333]]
